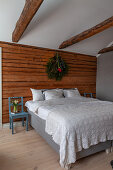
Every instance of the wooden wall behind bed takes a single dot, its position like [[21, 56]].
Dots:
[[24, 68]]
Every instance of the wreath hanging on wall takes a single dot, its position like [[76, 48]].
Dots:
[[56, 67]]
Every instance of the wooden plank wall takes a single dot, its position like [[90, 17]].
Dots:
[[23, 67]]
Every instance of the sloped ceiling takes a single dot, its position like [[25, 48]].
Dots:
[[59, 20]]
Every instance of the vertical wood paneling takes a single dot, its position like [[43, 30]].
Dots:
[[23, 68]]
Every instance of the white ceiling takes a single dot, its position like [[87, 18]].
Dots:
[[58, 20]]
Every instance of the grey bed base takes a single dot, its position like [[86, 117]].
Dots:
[[39, 125]]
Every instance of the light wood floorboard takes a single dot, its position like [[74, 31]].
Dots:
[[28, 151]]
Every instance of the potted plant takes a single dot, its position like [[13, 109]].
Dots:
[[15, 106]]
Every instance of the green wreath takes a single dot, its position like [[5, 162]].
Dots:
[[56, 68]]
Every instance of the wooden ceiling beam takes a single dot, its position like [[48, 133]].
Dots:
[[105, 50], [88, 33], [30, 8]]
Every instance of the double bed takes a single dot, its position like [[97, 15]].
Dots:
[[73, 126]]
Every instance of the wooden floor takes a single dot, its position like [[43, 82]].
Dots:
[[28, 151]]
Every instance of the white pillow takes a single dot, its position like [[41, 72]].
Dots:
[[53, 94], [37, 95], [71, 93]]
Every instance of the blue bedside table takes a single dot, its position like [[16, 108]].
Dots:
[[21, 114], [90, 94]]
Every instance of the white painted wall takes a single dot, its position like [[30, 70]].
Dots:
[[104, 85], [0, 87], [58, 20]]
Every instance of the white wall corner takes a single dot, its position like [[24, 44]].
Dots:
[[0, 87]]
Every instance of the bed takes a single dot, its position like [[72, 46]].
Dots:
[[55, 128]]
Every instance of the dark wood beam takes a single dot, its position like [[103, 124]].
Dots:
[[30, 8], [105, 50], [88, 33]]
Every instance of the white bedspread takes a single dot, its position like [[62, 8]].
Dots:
[[78, 123], [34, 106]]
